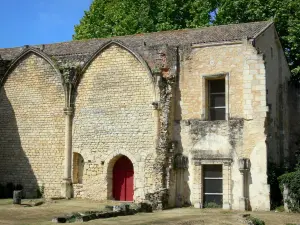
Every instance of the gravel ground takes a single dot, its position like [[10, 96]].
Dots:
[[42, 215]]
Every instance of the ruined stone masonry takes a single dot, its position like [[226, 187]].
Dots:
[[188, 117]]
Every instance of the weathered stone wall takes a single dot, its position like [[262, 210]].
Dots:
[[114, 116], [32, 127], [213, 142], [277, 77], [224, 142], [210, 61], [254, 141], [149, 182]]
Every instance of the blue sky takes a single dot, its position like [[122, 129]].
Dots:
[[29, 22]]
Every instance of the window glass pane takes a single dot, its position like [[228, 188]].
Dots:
[[217, 100], [212, 170], [217, 114], [213, 186], [217, 85], [217, 199]]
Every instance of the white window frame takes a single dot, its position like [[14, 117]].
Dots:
[[205, 109], [213, 178], [198, 189], [215, 93]]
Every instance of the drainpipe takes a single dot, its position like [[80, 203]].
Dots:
[[244, 167]]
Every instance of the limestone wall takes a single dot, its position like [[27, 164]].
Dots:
[[32, 127], [277, 78], [224, 142], [114, 116]]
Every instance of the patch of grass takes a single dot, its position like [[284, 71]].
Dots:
[[280, 208], [212, 205], [291, 224], [6, 201], [226, 212], [256, 221]]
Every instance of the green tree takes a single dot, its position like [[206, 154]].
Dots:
[[107, 18], [285, 14], [201, 13]]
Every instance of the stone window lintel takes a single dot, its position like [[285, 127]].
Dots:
[[202, 161]]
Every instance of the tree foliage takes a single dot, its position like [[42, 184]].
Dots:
[[292, 182], [112, 17], [107, 18], [285, 14]]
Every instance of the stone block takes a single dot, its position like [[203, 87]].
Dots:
[[17, 197], [145, 206], [198, 205], [59, 220]]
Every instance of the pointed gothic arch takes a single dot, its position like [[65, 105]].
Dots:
[[22, 55], [123, 46]]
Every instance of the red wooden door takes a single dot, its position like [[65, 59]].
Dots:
[[129, 186], [123, 180]]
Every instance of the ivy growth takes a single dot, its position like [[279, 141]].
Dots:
[[292, 182], [40, 191]]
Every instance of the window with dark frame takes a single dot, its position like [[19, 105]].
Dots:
[[216, 97], [212, 185]]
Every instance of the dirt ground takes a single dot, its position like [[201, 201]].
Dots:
[[42, 215]]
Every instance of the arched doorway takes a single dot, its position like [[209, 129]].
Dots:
[[123, 179]]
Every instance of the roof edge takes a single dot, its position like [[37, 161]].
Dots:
[[264, 29], [144, 34]]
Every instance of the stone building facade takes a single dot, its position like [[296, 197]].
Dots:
[[196, 113]]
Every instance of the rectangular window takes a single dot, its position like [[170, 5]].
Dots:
[[212, 185], [216, 98]]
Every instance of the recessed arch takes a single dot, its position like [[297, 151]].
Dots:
[[78, 168], [25, 53], [109, 166], [123, 46], [122, 179], [113, 154], [32, 97]]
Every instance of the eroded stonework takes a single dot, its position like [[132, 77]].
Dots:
[[147, 97]]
